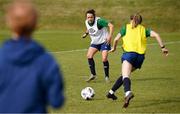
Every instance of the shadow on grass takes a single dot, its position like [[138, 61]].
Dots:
[[152, 79], [156, 102]]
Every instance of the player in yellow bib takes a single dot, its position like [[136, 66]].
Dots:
[[134, 36]]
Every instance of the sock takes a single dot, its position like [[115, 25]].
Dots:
[[111, 91], [118, 84], [127, 93], [106, 68], [127, 84], [92, 66]]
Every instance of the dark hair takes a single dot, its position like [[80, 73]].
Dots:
[[137, 19], [91, 11]]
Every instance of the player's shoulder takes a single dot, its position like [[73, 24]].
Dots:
[[123, 26], [126, 25], [142, 25], [102, 21], [147, 29]]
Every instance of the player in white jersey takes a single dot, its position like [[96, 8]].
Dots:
[[100, 41]]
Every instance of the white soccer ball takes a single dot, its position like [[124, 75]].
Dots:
[[87, 93]]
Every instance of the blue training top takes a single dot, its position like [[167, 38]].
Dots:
[[29, 78]]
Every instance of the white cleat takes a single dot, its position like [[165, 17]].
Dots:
[[92, 77]]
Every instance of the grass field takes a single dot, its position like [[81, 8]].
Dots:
[[156, 85], [161, 15]]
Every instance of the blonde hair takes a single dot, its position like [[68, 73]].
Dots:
[[136, 19], [21, 17]]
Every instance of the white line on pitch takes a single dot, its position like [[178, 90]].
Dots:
[[78, 50]]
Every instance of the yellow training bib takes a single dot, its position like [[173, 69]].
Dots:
[[135, 39]]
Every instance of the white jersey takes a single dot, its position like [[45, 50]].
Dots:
[[97, 36]]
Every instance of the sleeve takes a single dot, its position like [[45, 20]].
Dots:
[[53, 84], [123, 30], [102, 23], [148, 32]]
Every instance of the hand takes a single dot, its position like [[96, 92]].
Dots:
[[164, 51], [84, 35], [112, 50]]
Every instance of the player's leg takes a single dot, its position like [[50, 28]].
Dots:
[[105, 64], [137, 61], [126, 72], [104, 49], [90, 54], [119, 82], [116, 86]]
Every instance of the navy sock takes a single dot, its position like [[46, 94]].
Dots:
[[92, 65], [106, 68], [118, 84], [127, 84]]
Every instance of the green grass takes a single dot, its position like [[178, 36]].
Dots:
[[161, 15], [156, 85]]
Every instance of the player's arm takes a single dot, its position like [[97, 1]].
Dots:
[[85, 34], [115, 42], [158, 38], [121, 33], [104, 23], [111, 30]]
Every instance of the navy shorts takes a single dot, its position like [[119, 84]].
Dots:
[[102, 46], [134, 58]]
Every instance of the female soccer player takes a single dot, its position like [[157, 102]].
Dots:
[[100, 41], [134, 36]]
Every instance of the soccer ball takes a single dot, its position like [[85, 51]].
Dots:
[[87, 93]]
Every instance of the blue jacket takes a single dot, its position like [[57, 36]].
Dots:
[[29, 78]]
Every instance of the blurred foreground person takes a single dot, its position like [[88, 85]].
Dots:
[[30, 79]]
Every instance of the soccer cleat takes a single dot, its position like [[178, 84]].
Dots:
[[92, 77], [127, 99], [107, 80], [111, 96]]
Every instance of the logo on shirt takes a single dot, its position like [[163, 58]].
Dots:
[[91, 30]]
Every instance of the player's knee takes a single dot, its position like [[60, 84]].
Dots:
[[104, 59], [89, 56]]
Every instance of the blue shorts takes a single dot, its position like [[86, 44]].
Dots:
[[134, 58], [102, 46]]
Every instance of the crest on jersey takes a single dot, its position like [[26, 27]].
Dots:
[[91, 30]]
